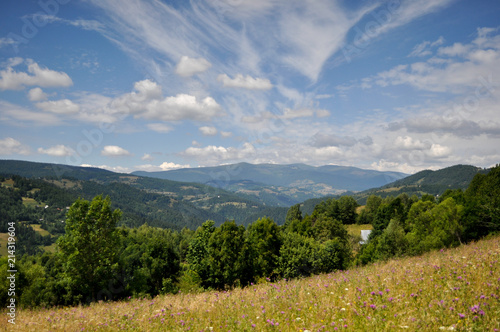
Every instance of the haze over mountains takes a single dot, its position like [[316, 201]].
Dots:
[[289, 184]]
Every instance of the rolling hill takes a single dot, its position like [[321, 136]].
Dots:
[[282, 185], [162, 203], [426, 182]]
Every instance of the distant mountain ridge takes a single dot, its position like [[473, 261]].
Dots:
[[427, 182], [294, 182]]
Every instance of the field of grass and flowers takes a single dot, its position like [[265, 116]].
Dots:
[[453, 289]]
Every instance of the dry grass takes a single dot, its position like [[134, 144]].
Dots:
[[38, 228], [355, 230], [9, 183], [455, 289], [29, 202]]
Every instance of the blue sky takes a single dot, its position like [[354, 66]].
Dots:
[[157, 85]]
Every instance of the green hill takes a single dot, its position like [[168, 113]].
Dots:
[[158, 202]]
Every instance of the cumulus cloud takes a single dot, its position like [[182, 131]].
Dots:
[[63, 106], [404, 167], [146, 102], [408, 143], [57, 151], [182, 107], [190, 66], [10, 146], [208, 131], [212, 154], [36, 75], [245, 82], [439, 151], [114, 151], [37, 94]]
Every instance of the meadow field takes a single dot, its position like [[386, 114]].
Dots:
[[454, 289]]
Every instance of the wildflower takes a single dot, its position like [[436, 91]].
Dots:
[[461, 315]]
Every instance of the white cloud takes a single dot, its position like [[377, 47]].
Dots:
[[408, 143], [226, 134], [10, 146], [146, 102], [165, 166], [91, 25], [208, 131], [386, 165], [423, 49], [57, 151], [457, 49], [147, 157], [245, 82], [114, 151], [439, 151], [160, 127], [4, 41], [44, 77], [63, 106], [182, 107], [322, 113], [297, 113], [116, 169], [188, 66], [18, 116], [212, 155], [460, 68], [37, 94]]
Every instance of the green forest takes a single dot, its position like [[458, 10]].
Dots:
[[98, 257]]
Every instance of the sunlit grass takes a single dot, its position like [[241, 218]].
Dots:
[[355, 230], [38, 228], [29, 202], [456, 289], [9, 183]]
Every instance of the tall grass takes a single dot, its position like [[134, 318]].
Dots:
[[455, 289]]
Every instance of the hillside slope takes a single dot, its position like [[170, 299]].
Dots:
[[427, 182]]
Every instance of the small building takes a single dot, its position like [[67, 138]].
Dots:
[[365, 234]]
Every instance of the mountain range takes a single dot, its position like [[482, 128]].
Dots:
[[282, 185], [241, 192]]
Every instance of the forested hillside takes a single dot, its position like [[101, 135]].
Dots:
[[161, 203], [426, 182]]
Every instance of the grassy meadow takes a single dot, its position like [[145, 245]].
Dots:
[[455, 289]]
